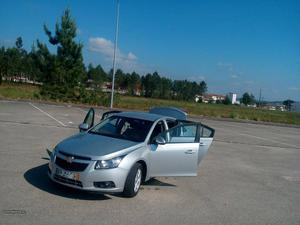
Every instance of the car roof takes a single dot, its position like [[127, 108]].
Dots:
[[143, 115]]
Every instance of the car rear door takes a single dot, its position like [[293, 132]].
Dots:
[[206, 138], [178, 156]]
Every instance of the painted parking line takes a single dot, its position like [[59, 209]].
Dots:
[[47, 114], [260, 138]]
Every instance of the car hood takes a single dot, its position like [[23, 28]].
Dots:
[[95, 146]]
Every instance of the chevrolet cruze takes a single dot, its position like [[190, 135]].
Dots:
[[128, 148]]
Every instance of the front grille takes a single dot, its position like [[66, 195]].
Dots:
[[67, 181], [74, 156], [73, 166]]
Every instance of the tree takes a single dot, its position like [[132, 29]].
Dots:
[[248, 99], [288, 104], [134, 83], [96, 74], [19, 43], [150, 85], [203, 87], [227, 100], [2, 63], [68, 62]]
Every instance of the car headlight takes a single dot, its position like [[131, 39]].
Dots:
[[109, 164]]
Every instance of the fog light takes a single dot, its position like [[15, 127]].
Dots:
[[104, 184]]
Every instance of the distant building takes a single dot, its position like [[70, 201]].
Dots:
[[106, 87], [232, 97], [209, 98], [274, 106]]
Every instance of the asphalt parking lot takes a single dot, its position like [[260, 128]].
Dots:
[[251, 175]]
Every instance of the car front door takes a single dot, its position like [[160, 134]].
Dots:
[[88, 121], [175, 151]]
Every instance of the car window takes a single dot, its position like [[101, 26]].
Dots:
[[206, 131], [171, 123], [185, 133], [159, 128], [89, 118], [124, 128]]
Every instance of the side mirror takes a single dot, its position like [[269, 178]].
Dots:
[[83, 127], [160, 140]]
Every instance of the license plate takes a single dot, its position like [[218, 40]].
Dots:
[[67, 174]]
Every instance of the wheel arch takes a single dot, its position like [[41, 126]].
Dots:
[[145, 169]]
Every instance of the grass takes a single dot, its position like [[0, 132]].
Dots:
[[22, 91], [212, 110], [19, 91]]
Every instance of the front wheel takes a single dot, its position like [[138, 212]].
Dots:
[[133, 181]]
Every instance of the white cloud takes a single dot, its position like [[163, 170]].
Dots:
[[234, 76], [224, 64], [131, 56], [101, 45], [294, 88], [125, 61]]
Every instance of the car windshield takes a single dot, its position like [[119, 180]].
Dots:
[[123, 127]]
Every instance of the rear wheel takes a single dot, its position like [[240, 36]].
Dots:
[[133, 181]]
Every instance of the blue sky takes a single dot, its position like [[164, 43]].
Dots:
[[235, 46]]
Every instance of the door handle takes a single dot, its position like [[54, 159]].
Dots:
[[202, 144], [190, 151]]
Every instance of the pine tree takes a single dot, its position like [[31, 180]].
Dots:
[[66, 68]]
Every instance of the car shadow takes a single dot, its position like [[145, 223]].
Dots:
[[155, 182], [38, 177]]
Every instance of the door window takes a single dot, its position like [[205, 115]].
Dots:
[[171, 123], [185, 133], [159, 128], [89, 118], [206, 131]]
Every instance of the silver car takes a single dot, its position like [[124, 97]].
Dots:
[[128, 148]]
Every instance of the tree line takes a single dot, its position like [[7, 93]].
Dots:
[[64, 75]]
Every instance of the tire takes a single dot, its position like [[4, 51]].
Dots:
[[133, 181]]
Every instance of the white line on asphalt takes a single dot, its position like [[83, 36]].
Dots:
[[266, 139], [47, 114], [261, 138]]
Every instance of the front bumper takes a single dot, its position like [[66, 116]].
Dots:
[[85, 179]]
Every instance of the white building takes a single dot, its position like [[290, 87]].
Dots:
[[232, 97], [206, 98]]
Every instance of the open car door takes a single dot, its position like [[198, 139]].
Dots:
[[88, 121], [206, 138], [175, 151], [179, 150]]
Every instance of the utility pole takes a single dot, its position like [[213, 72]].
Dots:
[[259, 101], [115, 52]]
